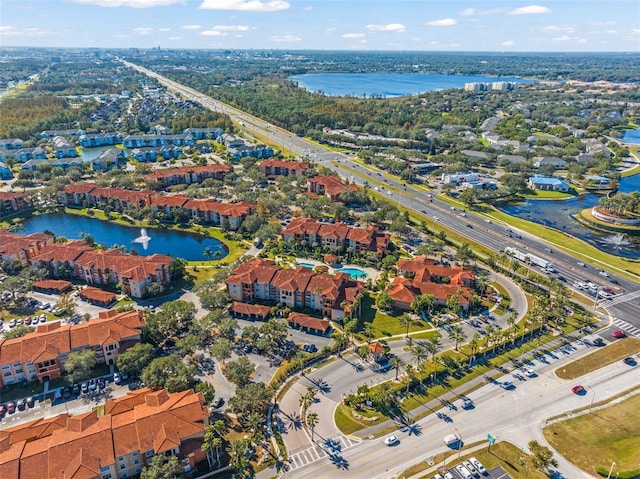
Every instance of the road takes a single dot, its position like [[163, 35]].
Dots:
[[508, 415], [491, 235]]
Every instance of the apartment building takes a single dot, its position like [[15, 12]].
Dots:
[[188, 174], [333, 296], [336, 236], [275, 167], [329, 186], [43, 353], [134, 430], [422, 275], [15, 247]]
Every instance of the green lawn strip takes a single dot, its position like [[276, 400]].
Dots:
[[577, 248], [591, 441], [599, 358], [348, 424], [549, 195], [587, 216], [596, 405]]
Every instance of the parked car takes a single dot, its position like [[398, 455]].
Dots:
[[11, 407], [12, 323], [392, 440], [21, 404], [529, 372], [75, 389], [31, 401], [84, 387], [469, 466], [93, 384], [464, 472], [478, 465], [578, 389], [117, 377], [467, 403], [629, 360], [218, 402], [619, 333], [507, 384], [101, 383], [3, 409], [448, 475]]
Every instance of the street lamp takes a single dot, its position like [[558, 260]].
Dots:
[[592, 399], [613, 463], [435, 220], [459, 441]]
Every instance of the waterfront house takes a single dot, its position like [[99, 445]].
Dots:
[[545, 183]]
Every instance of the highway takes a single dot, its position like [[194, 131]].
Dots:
[[491, 235]]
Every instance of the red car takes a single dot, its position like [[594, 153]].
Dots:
[[577, 389], [11, 407], [619, 334]]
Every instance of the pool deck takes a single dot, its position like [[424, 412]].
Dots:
[[371, 272]]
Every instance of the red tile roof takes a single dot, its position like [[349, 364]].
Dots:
[[58, 285], [214, 169], [96, 294], [306, 321], [249, 309]]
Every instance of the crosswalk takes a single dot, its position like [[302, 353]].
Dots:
[[328, 448], [622, 298], [626, 327]]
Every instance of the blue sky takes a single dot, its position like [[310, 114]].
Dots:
[[426, 25]]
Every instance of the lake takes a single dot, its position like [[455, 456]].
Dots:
[[175, 243], [558, 215], [387, 84], [631, 136]]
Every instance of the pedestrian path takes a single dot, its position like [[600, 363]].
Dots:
[[329, 448], [621, 298], [626, 327]]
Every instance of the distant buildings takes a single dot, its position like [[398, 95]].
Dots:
[[545, 183], [275, 167], [187, 175], [329, 186], [237, 148], [12, 202], [491, 86]]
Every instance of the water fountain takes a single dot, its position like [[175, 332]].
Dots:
[[616, 241], [143, 239]]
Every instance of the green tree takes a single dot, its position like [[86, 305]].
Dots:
[[396, 363], [207, 390], [162, 468], [177, 268], [135, 359], [79, 365], [19, 331], [239, 371], [405, 321], [312, 422], [249, 398], [383, 301], [238, 460], [222, 349], [168, 372], [542, 456], [457, 335], [214, 439]]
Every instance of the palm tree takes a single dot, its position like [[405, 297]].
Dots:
[[369, 331], [364, 352], [253, 423], [405, 321], [396, 362], [433, 346], [474, 343], [456, 334], [419, 353], [238, 460], [312, 422], [409, 371], [207, 253]]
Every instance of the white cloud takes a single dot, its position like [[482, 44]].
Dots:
[[212, 33], [143, 30], [468, 12], [390, 27], [245, 5], [582, 40], [635, 30], [443, 22], [563, 38], [530, 10], [191, 27], [330, 29], [175, 38], [285, 37], [508, 43], [559, 28], [602, 24], [353, 36], [129, 3], [8, 30], [232, 28]]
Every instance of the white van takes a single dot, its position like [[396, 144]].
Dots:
[[451, 440], [464, 472]]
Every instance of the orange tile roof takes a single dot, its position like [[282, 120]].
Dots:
[[158, 173], [295, 279], [291, 165], [62, 252], [79, 188], [78, 446], [52, 339], [171, 201], [256, 270], [306, 321], [332, 185], [245, 308], [125, 265], [96, 294], [52, 284]]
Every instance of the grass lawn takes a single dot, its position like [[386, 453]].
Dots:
[[386, 324], [549, 195], [587, 216], [349, 424], [615, 351], [511, 458], [593, 440]]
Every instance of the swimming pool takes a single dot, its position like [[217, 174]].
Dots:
[[355, 273], [306, 265]]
